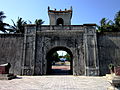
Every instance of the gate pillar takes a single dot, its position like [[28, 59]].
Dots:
[[91, 51], [28, 62]]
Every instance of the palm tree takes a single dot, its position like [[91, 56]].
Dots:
[[103, 22], [39, 22], [2, 24], [105, 25], [2, 16], [117, 21], [18, 27]]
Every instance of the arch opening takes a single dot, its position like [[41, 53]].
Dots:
[[60, 21], [59, 61]]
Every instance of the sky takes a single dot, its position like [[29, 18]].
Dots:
[[61, 53], [84, 11]]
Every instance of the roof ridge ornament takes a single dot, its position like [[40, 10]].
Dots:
[[55, 10], [48, 8], [71, 8]]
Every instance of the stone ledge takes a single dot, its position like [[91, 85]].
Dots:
[[116, 81], [7, 76], [113, 80]]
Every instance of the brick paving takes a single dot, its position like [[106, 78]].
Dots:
[[55, 82]]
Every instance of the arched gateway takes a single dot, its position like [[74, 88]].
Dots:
[[52, 51], [78, 40]]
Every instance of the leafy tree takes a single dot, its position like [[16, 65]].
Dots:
[[2, 24], [67, 56], [55, 57], [18, 27]]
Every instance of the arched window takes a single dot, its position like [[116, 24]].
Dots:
[[60, 21]]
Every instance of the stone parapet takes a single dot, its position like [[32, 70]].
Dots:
[[61, 27]]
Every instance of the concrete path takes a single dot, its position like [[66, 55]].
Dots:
[[55, 83]]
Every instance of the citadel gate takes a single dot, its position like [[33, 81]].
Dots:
[[29, 53], [78, 40]]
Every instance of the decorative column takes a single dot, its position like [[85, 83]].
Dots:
[[91, 51]]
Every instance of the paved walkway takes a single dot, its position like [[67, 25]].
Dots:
[[55, 83], [60, 70]]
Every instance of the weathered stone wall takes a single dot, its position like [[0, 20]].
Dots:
[[11, 48], [108, 50], [28, 53], [49, 39], [74, 38]]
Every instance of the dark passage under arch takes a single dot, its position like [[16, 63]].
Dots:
[[50, 60], [60, 21]]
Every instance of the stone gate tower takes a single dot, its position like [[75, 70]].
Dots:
[[60, 17]]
